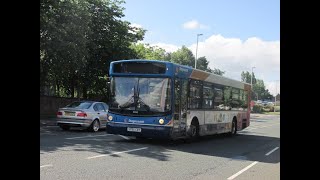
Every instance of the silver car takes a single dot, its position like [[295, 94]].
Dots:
[[87, 114]]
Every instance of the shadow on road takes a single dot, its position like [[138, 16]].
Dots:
[[240, 147]]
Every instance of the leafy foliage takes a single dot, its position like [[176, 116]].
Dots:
[[258, 87], [78, 40], [182, 56], [246, 77], [145, 51]]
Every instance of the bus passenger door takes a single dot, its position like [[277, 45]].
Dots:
[[180, 104], [184, 106]]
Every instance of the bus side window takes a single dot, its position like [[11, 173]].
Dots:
[[195, 93], [208, 94], [227, 97], [235, 96], [218, 99]]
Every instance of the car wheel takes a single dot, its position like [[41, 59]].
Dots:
[[95, 126], [64, 127]]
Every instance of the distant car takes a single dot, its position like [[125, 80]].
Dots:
[[266, 103], [91, 115], [270, 103]]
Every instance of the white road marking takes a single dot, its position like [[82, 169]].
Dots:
[[47, 165], [241, 171], [89, 136], [116, 153], [272, 151], [124, 137], [259, 127]]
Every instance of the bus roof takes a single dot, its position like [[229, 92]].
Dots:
[[195, 73]]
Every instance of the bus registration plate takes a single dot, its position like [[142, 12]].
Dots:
[[133, 129], [66, 113]]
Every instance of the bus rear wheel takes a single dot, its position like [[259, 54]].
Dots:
[[233, 128], [194, 130]]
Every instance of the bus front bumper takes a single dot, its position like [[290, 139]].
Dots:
[[147, 131]]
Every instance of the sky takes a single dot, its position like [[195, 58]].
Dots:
[[237, 34]]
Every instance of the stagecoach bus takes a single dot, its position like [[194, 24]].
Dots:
[[159, 99]]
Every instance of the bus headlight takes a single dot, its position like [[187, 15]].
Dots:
[[110, 118], [161, 121]]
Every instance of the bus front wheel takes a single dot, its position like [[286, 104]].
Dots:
[[233, 128]]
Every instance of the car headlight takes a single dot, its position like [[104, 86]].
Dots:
[[110, 118], [161, 121]]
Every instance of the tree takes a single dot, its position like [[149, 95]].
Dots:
[[246, 77], [183, 56], [109, 40], [145, 51], [218, 72], [202, 64], [258, 87], [78, 40], [260, 90], [63, 52]]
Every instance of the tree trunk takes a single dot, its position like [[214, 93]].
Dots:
[[58, 90], [84, 92], [72, 88]]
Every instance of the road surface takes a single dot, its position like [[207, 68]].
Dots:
[[252, 154]]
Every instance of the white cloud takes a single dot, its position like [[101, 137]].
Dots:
[[167, 47], [234, 55], [194, 24], [136, 25], [273, 87]]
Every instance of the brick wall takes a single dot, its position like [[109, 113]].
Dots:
[[50, 104]]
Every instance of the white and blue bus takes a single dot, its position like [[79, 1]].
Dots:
[[159, 99]]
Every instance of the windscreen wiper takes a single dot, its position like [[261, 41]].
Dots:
[[131, 101], [135, 100], [127, 104], [140, 102]]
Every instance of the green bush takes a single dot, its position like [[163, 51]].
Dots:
[[277, 108], [270, 108], [257, 108]]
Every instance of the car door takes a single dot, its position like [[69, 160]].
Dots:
[[102, 113], [106, 107]]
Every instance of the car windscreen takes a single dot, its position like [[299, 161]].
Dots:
[[80, 105]]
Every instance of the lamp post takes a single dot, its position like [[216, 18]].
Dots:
[[195, 62]]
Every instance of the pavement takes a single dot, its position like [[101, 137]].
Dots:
[[48, 122]]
